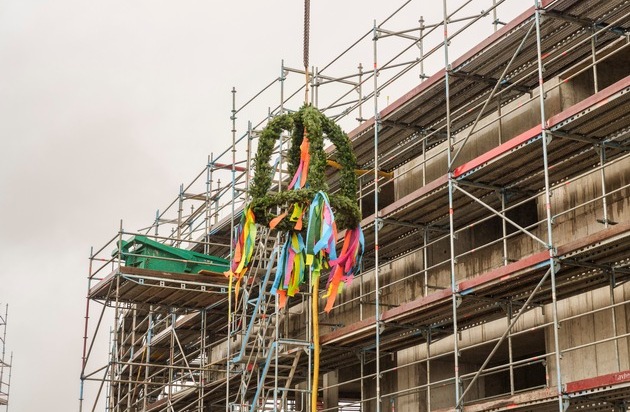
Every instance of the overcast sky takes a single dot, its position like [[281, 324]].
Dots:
[[105, 108]]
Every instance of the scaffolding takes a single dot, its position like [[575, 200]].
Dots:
[[5, 364], [496, 209]]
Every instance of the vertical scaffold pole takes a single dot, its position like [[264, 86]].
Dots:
[[613, 313], [454, 291], [314, 87], [208, 214], [602, 164], [202, 361], [360, 91], [232, 225], [594, 56], [130, 384], [547, 194], [85, 330], [362, 373], [509, 312], [213, 216], [361, 277], [157, 223], [171, 356], [109, 387], [423, 76], [376, 227], [180, 212], [116, 342], [425, 258], [148, 357], [250, 137], [283, 77], [429, 369], [9, 382], [3, 324], [506, 259], [216, 204]]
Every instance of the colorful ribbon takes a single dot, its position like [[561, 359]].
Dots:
[[243, 249], [290, 269], [345, 266], [300, 176]]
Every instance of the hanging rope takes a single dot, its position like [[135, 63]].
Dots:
[[307, 23], [315, 290]]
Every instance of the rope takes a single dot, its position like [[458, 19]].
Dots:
[[315, 282], [307, 23]]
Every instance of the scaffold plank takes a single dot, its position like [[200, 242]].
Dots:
[[609, 387], [136, 285], [599, 382]]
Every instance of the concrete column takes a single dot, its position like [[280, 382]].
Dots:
[[300, 396], [331, 391]]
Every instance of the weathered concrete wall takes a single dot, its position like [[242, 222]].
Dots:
[[410, 376], [577, 87], [577, 196], [593, 360], [388, 385]]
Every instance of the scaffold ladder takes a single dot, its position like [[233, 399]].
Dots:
[[266, 362]]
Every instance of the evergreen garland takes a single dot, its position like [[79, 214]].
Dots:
[[318, 127]]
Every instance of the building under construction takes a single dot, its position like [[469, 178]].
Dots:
[[495, 200]]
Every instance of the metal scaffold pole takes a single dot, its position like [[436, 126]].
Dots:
[[180, 213], [377, 326], [208, 197], [9, 381], [451, 188], [231, 277], [115, 359], [85, 333], [3, 364], [547, 203], [148, 353]]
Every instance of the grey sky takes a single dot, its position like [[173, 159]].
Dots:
[[105, 108]]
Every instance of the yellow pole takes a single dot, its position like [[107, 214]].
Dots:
[[315, 316]]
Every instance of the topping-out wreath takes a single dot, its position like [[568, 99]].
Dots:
[[310, 216]]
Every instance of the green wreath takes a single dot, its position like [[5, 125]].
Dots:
[[318, 126]]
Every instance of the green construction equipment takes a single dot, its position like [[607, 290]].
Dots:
[[142, 252]]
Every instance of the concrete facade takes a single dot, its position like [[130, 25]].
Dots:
[[404, 277]]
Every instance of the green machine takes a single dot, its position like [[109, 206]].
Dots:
[[142, 252]]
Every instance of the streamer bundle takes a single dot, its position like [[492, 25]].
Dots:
[[309, 217]]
